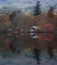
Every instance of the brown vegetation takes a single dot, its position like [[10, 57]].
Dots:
[[25, 22]]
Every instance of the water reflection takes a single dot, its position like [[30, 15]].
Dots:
[[37, 53], [15, 42]]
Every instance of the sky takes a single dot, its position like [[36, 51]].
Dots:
[[28, 5], [17, 3], [25, 3]]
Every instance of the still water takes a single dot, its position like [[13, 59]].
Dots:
[[22, 56]]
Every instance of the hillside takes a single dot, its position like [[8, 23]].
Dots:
[[24, 22], [21, 22]]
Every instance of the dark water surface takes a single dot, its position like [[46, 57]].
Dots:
[[22, 56]]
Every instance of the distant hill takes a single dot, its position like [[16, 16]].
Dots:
[[5, 9]]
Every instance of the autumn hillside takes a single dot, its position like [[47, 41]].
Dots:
[[24, 22], [20, 21]]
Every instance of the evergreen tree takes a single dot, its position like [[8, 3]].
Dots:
[[37, 10]]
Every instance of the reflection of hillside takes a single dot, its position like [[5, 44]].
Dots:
[[22, 22]]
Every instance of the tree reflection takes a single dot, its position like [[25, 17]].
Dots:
[[12, 45], [36, 53], [50, 51]]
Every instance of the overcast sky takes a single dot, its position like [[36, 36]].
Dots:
[[25, 3]]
